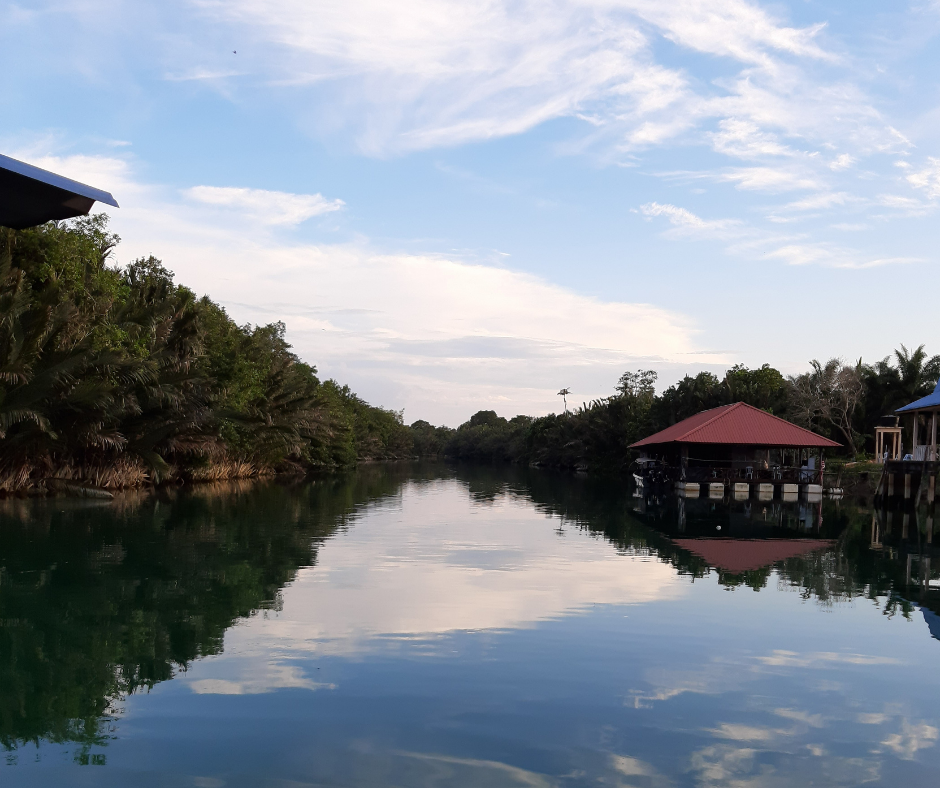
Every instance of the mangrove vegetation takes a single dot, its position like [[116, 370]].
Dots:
[[116, 377]]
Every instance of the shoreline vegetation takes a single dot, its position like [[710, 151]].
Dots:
[[115, 378]]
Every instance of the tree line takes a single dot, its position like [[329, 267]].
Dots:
[[843, 401], [114, 377]]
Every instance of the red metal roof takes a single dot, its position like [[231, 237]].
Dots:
[[739, 425], [742, 555]]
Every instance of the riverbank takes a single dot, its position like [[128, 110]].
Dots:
[[116, 377]]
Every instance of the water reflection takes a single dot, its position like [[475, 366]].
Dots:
[[98, 601], [427, 626]]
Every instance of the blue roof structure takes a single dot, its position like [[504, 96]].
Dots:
[[30, 196], [930, 402]]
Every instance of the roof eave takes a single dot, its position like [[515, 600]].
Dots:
[[823, 443], [57, 181]]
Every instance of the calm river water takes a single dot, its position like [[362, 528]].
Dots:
[[434, 626]]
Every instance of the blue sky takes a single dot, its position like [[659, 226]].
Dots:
[[456, 205]]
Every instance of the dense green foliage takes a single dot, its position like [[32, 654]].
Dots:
[[118, 376], [843, 402], [112, 376]]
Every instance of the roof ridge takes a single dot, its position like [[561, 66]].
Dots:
[[759, 410], [723, 408]]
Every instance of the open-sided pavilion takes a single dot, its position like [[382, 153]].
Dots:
[[736, 444], [916, 472], [926, 413]]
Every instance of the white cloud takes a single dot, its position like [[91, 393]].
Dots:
[[688, 222], [820, 201], [927, 179], [832, 256], [842, 162], [267, 207], [770, 179], [745, 139], [748, 242], [733, 28], [444, 72], [439, 336]]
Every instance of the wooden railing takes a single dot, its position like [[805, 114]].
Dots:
[[779, 475]]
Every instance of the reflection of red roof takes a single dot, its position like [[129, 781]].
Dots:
[[741, 555], [739, 425]]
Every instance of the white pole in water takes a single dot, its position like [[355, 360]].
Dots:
[[933, 437]]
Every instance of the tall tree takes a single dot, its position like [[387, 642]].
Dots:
[[828, 397]]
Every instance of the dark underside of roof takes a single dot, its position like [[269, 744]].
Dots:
[[25, 202]]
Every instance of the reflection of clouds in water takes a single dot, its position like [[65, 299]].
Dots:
[[639, 772], [262, 677], [749, 753], [664, 684], [911, 738], [436, 564], [734, 732], [823, 659], [723, 765], [724, 675], [473, 771], [813, 720], [719, 764]]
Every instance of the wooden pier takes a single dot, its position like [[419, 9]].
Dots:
[[909, 480]]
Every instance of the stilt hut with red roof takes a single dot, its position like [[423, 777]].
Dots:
[[735, 444]]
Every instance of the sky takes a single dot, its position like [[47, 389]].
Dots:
[[456, 206]]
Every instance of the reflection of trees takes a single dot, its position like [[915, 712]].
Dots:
[[101, 601], [852, 569], [98, 601]]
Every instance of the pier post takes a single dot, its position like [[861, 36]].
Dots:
[[907, 485], [890, 485], [932, 489]]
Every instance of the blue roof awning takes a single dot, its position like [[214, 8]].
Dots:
[[930, 402], [30, 195]]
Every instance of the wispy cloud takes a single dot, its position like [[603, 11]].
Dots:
[[688, 223], [750, 241], [770, 179], [267, 207], [443, 72], [927, 179]]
